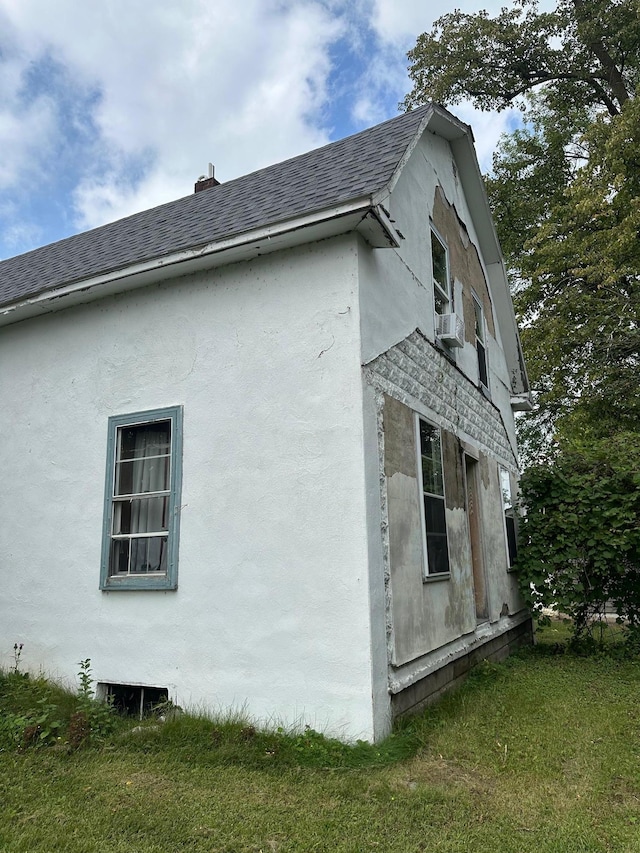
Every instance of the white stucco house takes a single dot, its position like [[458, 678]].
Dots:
[[258, 443]]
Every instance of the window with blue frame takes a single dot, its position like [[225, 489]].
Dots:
[[142, 500]]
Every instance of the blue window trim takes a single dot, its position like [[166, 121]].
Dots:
[[130, 582]]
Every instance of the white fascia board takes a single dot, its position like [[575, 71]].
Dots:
[[511, 346], [378, 230], [358, 214], [522, 402]]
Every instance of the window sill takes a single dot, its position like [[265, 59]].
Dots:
[[442, 576], [128, 583]]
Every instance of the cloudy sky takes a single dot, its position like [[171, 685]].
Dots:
[[110, 107]]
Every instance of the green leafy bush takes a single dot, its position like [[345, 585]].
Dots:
[[93, 719], [35, 712], [580, 539]]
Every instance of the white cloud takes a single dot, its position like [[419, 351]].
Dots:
[[402, 21], [26, 134], [182, 84], [129, 100], [17, 232], [26, 128]]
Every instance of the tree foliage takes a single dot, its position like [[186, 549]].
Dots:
[[565, 192], [581, 297], [585, 52], [580, 540]]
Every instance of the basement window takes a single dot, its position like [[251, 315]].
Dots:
[[134, 700], [432, 504]]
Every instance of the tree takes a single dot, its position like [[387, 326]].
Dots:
[[580, 540], [585, 53], [565, 191], [582, 291]]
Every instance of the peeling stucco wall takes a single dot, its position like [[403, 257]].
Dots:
[[464, 264], [396, 288], [407, 372], [426, 616]]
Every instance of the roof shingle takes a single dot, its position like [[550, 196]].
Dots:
[[350, 168]]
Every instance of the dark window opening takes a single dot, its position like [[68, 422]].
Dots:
[[510, 517], [512, 538], [483, 373], [432, 484], [135, 700]]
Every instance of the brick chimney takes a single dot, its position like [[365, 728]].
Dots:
[[204, 183]]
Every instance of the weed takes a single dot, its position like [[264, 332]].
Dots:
[[48, 724], [17, 653], [93, 719]]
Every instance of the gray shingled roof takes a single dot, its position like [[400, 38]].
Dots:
[[351, 168]]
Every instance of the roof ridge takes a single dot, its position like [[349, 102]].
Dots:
[[355, 166]]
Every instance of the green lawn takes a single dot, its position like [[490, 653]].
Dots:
[[539, 754]]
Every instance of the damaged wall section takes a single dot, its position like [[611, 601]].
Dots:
[[464, 263], [431, 619]]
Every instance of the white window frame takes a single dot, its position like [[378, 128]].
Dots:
[[438, 290], [506, 495], [480, 341], [428, 575], [110, 580]]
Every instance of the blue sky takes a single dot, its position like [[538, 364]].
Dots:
[[112, 107]]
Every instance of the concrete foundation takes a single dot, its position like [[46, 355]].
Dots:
[[429, 689]]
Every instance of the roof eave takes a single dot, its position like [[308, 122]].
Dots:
[[357, 214]]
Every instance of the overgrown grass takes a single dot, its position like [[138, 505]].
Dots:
[[539, 753]]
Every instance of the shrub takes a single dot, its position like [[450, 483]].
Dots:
[[580, 538]]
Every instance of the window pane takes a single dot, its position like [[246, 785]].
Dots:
[[143, 515], [434, 515], [505, 485], [439, 263], [437, 554], [431, 459], [479, 320], [119, 559], [428, 437], [143, 475], [482, 364], [144, 440], [441, 302], [148, 555]]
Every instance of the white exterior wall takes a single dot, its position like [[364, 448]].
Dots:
[[271, 614]]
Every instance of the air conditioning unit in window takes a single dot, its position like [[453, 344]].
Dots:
[[450, 329]]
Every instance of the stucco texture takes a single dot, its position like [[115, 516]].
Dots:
[[271, 613]]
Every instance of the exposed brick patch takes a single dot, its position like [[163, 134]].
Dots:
[[420, 376]]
